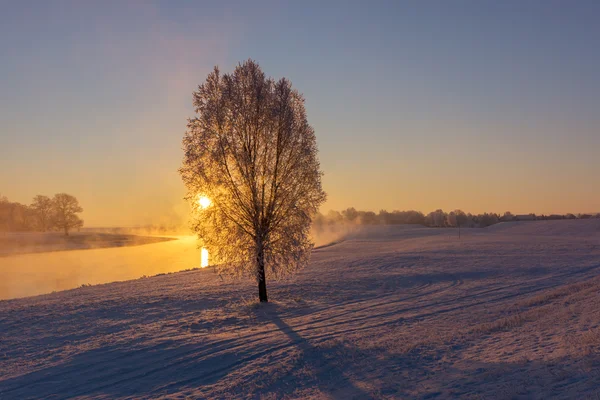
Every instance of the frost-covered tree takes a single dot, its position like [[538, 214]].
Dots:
[[64, 212], [42, 211], [350, 214], [456, 218], [252, 174], [436, 218], [462, 219], [451, 219]]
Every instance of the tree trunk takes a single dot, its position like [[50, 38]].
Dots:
[[66, 231], [261, 277]]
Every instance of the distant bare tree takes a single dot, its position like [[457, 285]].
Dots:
[[451, 220], [335, 217], [4, 213], [15, 217], [461, 217], [42, 211], [436, 218], [457, 218], [64, 211], [252, 153], [350, 214], [487, 219]]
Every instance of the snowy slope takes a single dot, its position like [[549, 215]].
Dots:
[[396, 313]]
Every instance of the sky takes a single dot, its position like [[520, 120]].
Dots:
[[477, 105]]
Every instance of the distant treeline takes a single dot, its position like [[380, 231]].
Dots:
[[42, 215], [437, 218], [150, 229]]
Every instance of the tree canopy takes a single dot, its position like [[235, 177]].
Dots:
[[66, 208], [252, 152], [43, 214]]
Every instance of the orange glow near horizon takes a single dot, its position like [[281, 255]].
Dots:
[[494, 125]]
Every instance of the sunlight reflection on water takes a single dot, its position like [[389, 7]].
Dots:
[[203, 258]]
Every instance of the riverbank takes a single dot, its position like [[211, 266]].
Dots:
[[13, 243]]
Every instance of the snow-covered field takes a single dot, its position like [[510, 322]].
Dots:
[[512, 311]]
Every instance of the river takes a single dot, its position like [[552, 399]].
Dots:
[[39, 273]]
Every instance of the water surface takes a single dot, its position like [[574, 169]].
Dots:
[[33, 274]]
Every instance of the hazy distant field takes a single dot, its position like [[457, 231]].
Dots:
[[29, 242], [392, 312]]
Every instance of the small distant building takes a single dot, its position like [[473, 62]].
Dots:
[[525, 217]]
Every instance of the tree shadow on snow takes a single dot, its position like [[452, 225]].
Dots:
[[137, 368], [319, 367]]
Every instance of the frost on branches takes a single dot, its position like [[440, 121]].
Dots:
[[251, 151]]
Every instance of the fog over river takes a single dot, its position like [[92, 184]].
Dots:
[[39, 273]]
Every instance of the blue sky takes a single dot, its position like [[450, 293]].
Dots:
[[479, 105]]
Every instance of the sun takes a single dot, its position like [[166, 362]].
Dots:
[[203, 201]]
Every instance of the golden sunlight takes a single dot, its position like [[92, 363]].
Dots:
[[203, 258], [203, 201]]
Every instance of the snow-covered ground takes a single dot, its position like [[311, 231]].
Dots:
[[393, 312]]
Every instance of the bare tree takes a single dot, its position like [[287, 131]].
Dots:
[[462, 219], [350, 214], [436, 218], [65, 209], [42, 211], [252, 174]]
